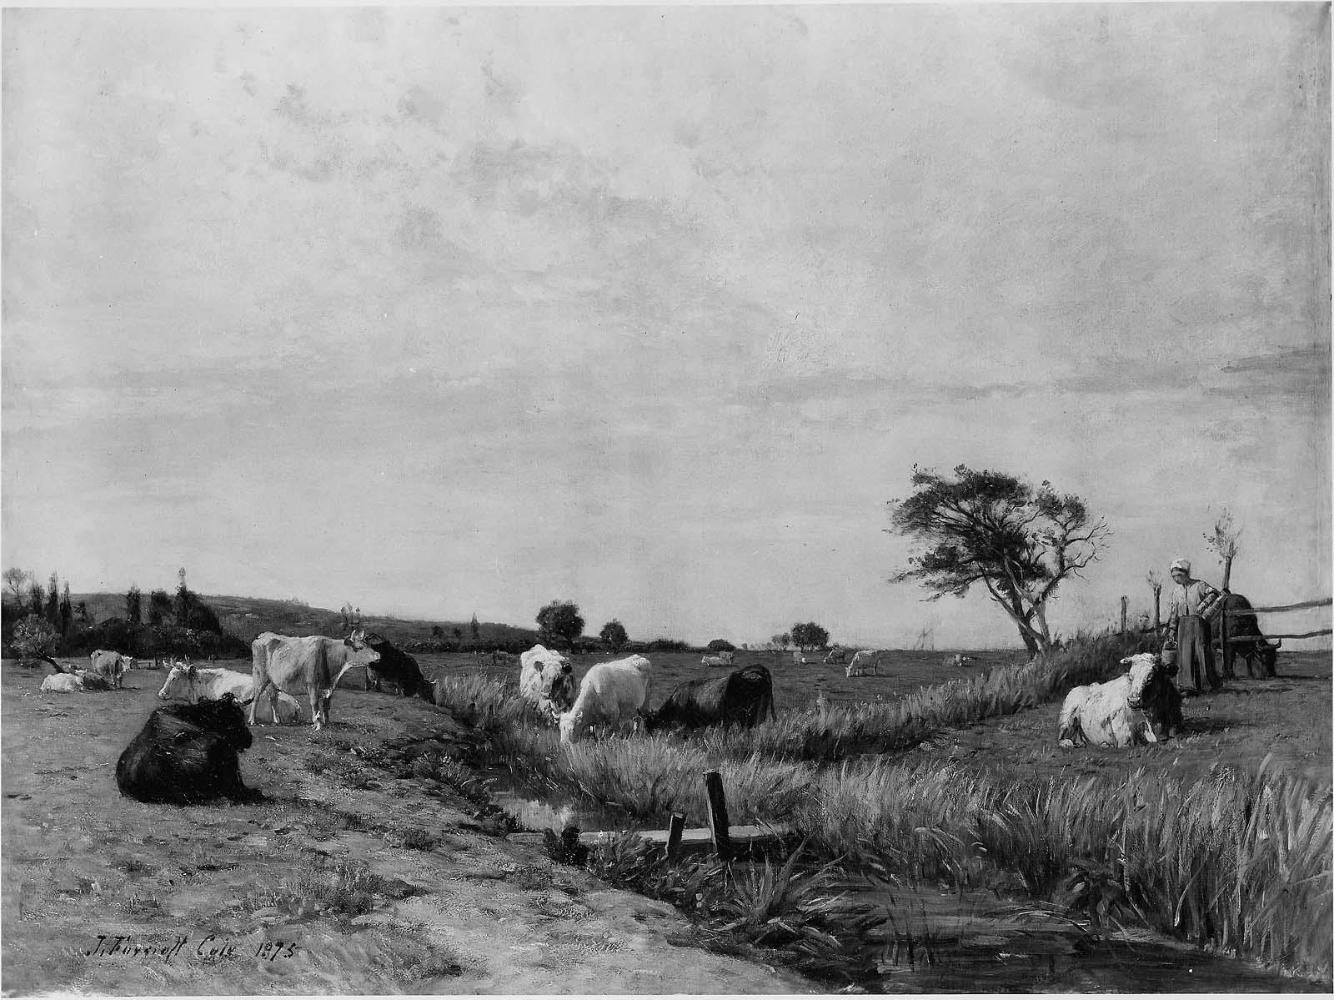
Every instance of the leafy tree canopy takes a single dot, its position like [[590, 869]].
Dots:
[[560, 620], [808, 635], [614, 635], [992, 528]]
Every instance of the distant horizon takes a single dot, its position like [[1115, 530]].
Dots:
[[655, 308]]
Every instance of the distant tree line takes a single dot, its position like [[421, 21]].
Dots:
[[38, 621]]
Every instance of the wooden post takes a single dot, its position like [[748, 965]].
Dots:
[[1125, 603], [1224, 665], [713, 786], [674, 829]]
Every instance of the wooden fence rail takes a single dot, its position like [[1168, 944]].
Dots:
[[1322, 603]]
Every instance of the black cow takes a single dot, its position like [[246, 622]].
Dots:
[[187, 754], [395, 667], [1161, 703], [1244, 626], [744, 697]]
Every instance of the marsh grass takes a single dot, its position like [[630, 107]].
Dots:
[[805, 912], [1237, 862]]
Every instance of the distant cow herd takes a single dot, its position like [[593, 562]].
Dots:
[[188, 751]]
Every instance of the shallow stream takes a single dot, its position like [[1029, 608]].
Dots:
[[945, 941]]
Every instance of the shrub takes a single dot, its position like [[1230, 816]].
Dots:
[[720, 646], [34, 638]]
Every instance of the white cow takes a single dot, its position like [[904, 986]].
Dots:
[[312, 663], [187, 682], [1109, 715], [722, 659], [838, 654], [110, 664], [800, 656], [62, 683], [546, 679], [864, 661], [610, 693]]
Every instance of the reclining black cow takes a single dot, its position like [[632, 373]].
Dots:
[[744, 697], [1239, 626], [187, 754], [397, 668]]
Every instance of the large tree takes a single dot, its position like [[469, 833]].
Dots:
[[614, 635], [16, 580], [560, 620], [808, 635], [991, 528], [134, 604]]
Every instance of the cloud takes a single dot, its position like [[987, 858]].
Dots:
[[1300, 374]]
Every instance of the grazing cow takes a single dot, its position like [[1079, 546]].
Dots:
[[838, 654], [187, 754], [62, 683], [313, 663], [1112, 714], [110, 664], [864, 661], [1239, 626], [397, 668], [546, 679], [723, 659], [610, 693], [958, 660], [187, 682], [744, 697]]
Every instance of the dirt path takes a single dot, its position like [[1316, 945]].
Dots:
[[347, 880]]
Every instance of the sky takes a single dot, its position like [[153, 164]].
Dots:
[[455, 310]]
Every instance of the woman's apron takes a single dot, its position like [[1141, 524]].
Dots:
[[1195, 652]]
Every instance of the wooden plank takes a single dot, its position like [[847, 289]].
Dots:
[[699, 838], [1322, 603], [713, 787]]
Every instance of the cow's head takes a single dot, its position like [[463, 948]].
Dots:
[[356, 639], [1269, 654], [180, 682], [1142, 668]]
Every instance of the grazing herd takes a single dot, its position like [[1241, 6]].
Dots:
[[187, 752]]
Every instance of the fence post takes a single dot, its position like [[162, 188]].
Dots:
[[1225, 667], [1125, 603], [722, 843], [674, 829]]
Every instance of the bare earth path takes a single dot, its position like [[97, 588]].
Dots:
[[346, 880]]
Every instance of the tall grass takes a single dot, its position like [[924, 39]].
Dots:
[[1240, 863]]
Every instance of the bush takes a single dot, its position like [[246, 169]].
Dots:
[[34, 638], [720, 646]]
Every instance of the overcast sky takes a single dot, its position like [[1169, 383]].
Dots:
[[454, 310]]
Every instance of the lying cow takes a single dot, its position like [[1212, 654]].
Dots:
[[395, 667], [187, 754], [69, 679], [610, 693], [62, 683], [958, 660], [864, 661], [187, 682], [109, 664], [546, 680], [1244, 626], [1115, 714], [723, 659], [744, 697], [313, 664]]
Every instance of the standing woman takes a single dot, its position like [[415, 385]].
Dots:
[[1194, 648]]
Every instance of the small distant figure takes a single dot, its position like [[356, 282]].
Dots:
[[958, 660], [1187, 600]]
